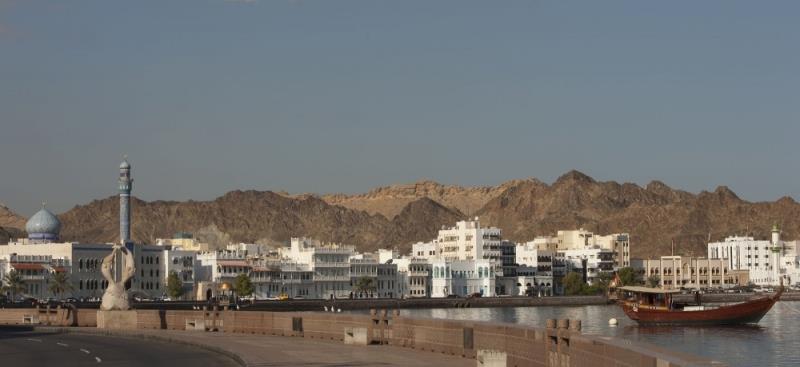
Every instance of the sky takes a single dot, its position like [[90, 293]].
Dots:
[[208, 96]]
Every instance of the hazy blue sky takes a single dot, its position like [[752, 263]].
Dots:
[[207, 96]]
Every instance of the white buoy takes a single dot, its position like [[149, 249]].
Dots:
[[612, 321]]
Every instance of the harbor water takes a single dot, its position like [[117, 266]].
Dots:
[[775, 341]]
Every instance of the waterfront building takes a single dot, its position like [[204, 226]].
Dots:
[[507, 283], [414, 277], [540, 269], [383, 275], [467, 240], [37, 262], [462, 278], [184, 264], [590, 262], [675, 272], [618, 244], [767, 261], [329, 262]]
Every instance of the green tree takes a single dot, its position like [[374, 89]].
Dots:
[[653, 281], [573, 284], [600, 284], [60, 284], [364, 284], [174, 286], [628, 276], [13, 282], [243, 286]]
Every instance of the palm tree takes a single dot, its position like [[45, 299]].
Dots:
[[13, 282], [59, 283], [364, 285]]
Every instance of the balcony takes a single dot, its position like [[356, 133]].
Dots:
[[331, 278], [32, 277], [330, 264]]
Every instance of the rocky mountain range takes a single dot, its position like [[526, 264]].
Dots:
[[389, 201], [11, 224], [397, 216]]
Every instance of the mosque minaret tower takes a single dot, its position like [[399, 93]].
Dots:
[[125, 186]]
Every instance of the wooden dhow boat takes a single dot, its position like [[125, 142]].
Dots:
[[655, 306]]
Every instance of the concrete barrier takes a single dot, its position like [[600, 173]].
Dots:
[[560, 343]]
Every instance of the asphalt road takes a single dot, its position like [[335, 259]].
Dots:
[[20, 347]]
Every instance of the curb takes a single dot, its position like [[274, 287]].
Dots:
[[138, 335]]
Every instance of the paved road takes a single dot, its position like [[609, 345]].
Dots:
[[36, 348]]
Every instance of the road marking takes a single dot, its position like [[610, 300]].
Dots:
[[98, 359], [85, 351], [63, 345], [35, 340]]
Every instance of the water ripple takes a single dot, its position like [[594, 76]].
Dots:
[[773, 342]]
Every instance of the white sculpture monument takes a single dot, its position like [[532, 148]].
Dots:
[[115, 296]]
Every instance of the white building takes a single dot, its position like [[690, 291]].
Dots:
[[384, 277], [618, 243], [37, 261], [766, 260], [425, 250], [467, 240], [329, 262], [414, 277], [590, 261], [462, 278], [541, 269]]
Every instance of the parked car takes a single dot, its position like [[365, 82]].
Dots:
[[28, 301], [475, 295]]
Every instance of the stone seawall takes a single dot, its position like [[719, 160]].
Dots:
[[518, 345]]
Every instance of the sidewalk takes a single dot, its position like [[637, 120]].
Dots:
[[267, 350]]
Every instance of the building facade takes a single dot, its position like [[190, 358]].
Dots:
[[675, 272], [767, 261]]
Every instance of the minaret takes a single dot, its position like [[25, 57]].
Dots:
[[777, 251], [125, 186]]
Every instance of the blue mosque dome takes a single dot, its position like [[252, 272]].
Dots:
[[43, 226]]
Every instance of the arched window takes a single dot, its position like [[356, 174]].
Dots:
[[80, 264]]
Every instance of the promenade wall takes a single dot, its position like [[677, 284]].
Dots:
[[523, 346]]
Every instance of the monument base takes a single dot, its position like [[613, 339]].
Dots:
[[116, 320]]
